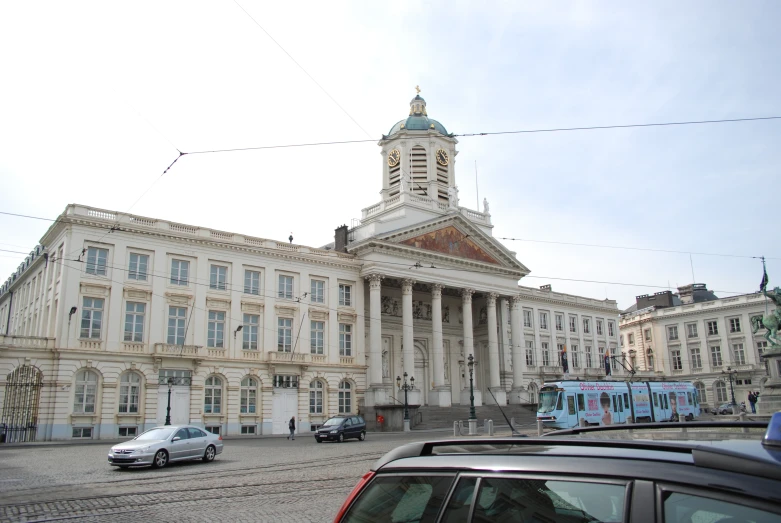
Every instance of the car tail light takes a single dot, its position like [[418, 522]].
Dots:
[[354, 494]]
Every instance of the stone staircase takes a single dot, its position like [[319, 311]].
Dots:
[[430, 418]]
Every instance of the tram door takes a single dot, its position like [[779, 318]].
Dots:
[[618, 409], [572, 411]]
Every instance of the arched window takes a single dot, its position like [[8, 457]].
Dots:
[[86, 391], [316, 390], [212, 395], [345, 397], [129, 392], [532, 393], [249, 394], [701, 392], [721, 392]]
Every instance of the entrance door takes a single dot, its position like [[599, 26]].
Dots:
[[422, 371], [19, 421], [180, 404], [283, 407]]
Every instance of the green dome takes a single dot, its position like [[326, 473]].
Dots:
[[418, 119]]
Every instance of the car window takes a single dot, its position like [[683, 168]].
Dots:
[[348, 422], [155, 434], [519, 499], [686, 508], [333, 422], [182, 434], [397, 499], [196, 433]]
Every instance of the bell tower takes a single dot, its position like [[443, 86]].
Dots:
[[418, 156]]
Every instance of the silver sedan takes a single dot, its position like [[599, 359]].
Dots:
[[160, 445]]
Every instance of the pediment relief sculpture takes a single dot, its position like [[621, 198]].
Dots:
[[450, 241]]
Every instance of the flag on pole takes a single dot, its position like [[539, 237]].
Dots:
[[763, 283]]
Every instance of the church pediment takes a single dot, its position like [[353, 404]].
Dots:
[[451, 241]]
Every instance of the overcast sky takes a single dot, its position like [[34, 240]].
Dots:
[[97, 98]]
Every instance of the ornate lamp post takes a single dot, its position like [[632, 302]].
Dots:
[[730, 373], [472, 415], [168, 410], [406, 388]]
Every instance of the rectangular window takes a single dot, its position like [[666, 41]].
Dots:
[[599, 327], [317, 291], [691, 330], [647, 334], [676, 357], [345, 339], [345, 295], [586, 326], [214, 429], [216, 330], [672, 332], [82, 432], [248, 429], [589, 358], [545, 353], [630, 338], [715, 356], [613, 358], [251, 282], [285, 287], [761, 347], [176, 320], [180, 270], [284, 381], [738, 354], [530, 354], [128, 432], [317, 337], [544, 320], [139, 264], [559, 322], [97, 259], [573, 324], [527, 319], [695, 358], [734, 325], [250, 332], [284, 334], [218, 277], [91, 318], [713, 328], [134, 321], [611, 329], [575, 357]]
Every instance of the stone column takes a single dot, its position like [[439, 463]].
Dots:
[[469, 338], [493, 354], [408, 339], [440, 396], [379, 396], [518, 350]]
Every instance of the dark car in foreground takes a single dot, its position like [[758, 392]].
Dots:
[[340, 428], [563, 477], [161, 445]]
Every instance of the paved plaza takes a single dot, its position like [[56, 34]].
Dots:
[[261, 479]]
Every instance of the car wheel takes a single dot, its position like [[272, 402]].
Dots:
[[362, 436], [210, 453], [340, 439], [160, 460]]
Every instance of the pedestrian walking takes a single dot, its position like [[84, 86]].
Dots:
[[292, 426], [752, 399]]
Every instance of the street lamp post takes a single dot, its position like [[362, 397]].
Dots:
[[168, 410], [730, 373], [406, 388], [472, 415]]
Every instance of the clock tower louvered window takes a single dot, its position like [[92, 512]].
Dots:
[[394, 178], [418, 170]]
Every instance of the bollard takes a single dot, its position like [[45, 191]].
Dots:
[[456, 428], [582, 422], [630, 420], [539, 427], [490, 427], [743, 417]]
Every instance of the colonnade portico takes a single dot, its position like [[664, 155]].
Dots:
[[440, 394]]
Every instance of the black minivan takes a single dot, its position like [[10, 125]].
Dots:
[[340, 428]]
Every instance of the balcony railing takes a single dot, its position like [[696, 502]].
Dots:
[[182, 351], [27, 342]]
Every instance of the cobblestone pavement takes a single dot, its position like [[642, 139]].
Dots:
[[266, 479]]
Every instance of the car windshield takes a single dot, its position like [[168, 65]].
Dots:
[[333, 421], [156, 434], [547, 401]]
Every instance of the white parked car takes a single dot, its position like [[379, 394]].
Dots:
[[161, 445]]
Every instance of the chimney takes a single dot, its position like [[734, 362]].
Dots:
[[340, 239]]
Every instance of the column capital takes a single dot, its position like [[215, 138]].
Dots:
[[406, 285], [491, 298], [466, 295], [515, 301], [374, 280], [436, 290]]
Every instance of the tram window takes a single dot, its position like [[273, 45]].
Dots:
[[656, 400], [581, 402], [558, 403], [616, 403], [626, 400], [689, 396], [666, 405], [571, 405]]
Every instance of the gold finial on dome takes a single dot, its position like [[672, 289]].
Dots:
[[417, 88]]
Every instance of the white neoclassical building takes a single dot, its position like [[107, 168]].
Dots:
[[114, 313], [695, 336]]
